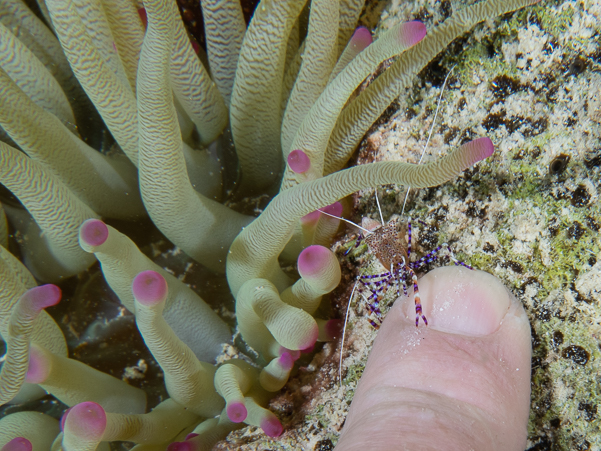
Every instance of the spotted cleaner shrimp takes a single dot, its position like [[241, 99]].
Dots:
[[391, 245]]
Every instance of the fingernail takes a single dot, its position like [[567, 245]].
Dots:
[[461, 301]]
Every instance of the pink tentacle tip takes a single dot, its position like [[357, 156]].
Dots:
[[181, 446], [43, 296], [298, 161], [361, 37], [86, 419], [295, 354], [482, 147], [93, 232], [190, 436], [236, 412], [149, 288], [18, 444], [272, 426], [311, 218], [412, 32], [334, 209], [312, 260], [286, 361]]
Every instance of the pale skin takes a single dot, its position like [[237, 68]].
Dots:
[[461, 383]]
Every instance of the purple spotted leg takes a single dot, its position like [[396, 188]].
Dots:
[[418, 304]]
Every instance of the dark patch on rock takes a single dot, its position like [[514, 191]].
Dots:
[[580, 196], [589, 410], [594, 161], [534, 127], [514, 266], [576, 66], [557, 340], [559, 164], [440, 213], [543, 314], [446, 8], [503, 86], [451, 134], [576, 230], [423, 15], [434, 73], [555, 423], [570, 121], [543, 445], [473, 211], [576, 354], [410, 113], [324, 445], [592, 223]]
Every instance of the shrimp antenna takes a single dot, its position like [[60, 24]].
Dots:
[[345, 220], [348, 308], [430, 133], [379, 209]]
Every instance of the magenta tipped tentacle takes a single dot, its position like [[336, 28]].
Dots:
[[334, 209], [18, 336], [38, 298], [84, 426], [236, 412], [311, 218], [93, 232], [298, 161], [286, 361], [275, 375], [412, 32], [480, 148], [18, 444], [295, 354], [272, 426], [149, 288], [312, 260], [361, 37]]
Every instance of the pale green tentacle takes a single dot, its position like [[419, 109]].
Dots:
[[224, 31], [114, 100], [363, 111], [255, 111], [107, 185], [56, 210], [318, 60], [128, 32], [255, 251], [201, 227], [193, 87], [313, 134], [32, 77]]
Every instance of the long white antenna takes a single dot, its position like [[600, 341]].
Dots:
[[346, 220], [348, 308], [379, 209], [430, 133]]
